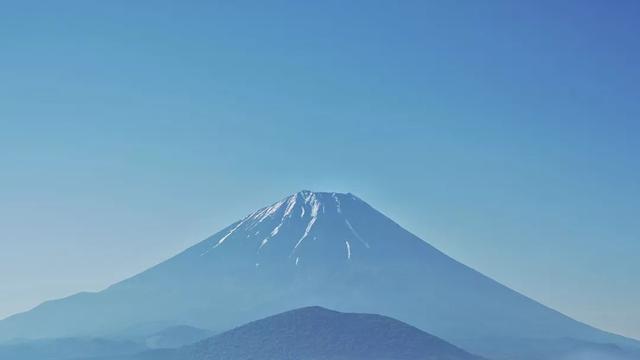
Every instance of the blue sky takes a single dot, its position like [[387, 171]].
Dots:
[[504, 133]]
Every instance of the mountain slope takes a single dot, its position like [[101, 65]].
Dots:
[[310, 248]]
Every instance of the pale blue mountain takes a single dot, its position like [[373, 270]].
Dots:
[[315, 333], [175, 337], [553, 349], [67, 348], [311, 248], [88, 348]]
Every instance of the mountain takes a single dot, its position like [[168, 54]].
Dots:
[[122, 345], [318, 333], [311, 248], [315, 333], [66, 348], [175, 337], [555, 349]]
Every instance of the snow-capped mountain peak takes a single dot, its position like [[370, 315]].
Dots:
[[296, 225], [310, 248]]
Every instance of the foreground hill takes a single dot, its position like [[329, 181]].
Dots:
[[315, 333], [310, 248]]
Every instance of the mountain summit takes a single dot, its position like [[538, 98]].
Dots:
[[310, 248], [308, 227], [298, 225]]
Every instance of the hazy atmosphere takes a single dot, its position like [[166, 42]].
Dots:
[[504, 134]]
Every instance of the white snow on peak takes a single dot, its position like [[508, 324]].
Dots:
[[293, 220], [228, 234], [269, 211], [335, 197], [312, 200], [355, 233], [306, 231], [291, 203], [315, 206], [307, 195], [275, 230], [262, 214], [348, 250]]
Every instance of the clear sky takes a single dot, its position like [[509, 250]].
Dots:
[[505, 133]]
